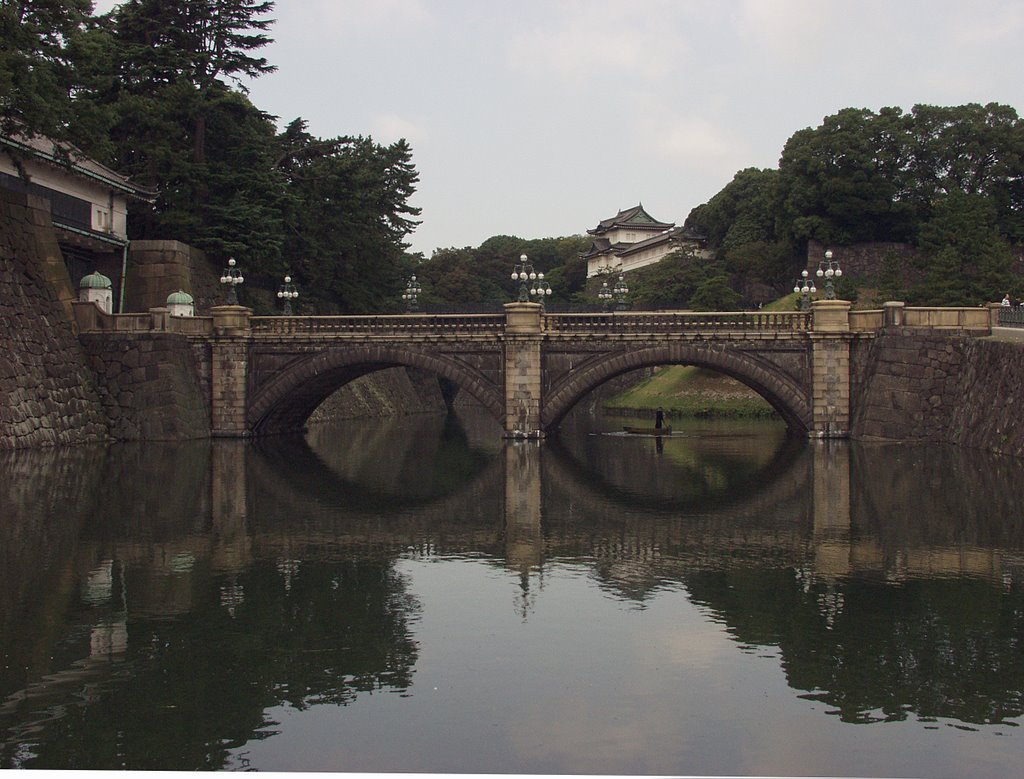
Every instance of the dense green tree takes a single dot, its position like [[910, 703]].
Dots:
[[206, 43], [743, 212], [668, 284], [885, 176], [452, 281], [892, 282], [842, 182], [969, 258], [972, 149], [46, 58], [347, 217], [481, 278], [714, 293], [172, 72]]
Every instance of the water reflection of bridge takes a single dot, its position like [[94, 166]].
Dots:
[[237, 515], [516, 504]]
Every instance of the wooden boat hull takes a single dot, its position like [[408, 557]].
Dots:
[[649, 430]]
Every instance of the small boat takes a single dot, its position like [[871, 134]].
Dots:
[[667, 430]]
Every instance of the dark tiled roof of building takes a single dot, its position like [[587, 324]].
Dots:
[[604, 246], [635, 217], [47, 151]]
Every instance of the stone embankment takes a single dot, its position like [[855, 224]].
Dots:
[[919, 385], [47, 392], [149, 386]]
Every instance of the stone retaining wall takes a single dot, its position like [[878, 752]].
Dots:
[[47, 392], [923, 385], [158, 268], [385, 393], [149, 386]]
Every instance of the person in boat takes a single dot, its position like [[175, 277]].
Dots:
[[659, 418]]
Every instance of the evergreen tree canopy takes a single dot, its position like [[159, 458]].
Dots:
[[347, 217], [40, 65], [155, 90]]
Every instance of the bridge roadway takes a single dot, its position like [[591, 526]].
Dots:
[[265, 375]]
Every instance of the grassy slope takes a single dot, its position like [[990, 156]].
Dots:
[[689, 391]]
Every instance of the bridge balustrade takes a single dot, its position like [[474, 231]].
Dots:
[[679, 321], [404, 325], [1011, 316]]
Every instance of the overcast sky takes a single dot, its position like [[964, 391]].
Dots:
[[540, 118]]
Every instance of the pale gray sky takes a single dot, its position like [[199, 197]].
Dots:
[[539, 118]]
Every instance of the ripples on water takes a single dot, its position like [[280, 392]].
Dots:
[[416, 595]]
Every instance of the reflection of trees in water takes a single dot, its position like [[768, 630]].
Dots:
[[940, 647], [638, 546], [46, 496], [311, 610], [698, 473], [189, 690], [174, 660], [875, 651]]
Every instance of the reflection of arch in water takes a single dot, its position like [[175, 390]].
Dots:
[[424, 477], [475, 515], [779, 388], [285, 400], [780, 482]]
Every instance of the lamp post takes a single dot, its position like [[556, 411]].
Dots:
[[411, 294], [829, 270], [605, 295], [805, 286], [287, 292], [531, 283], [616, 292], [232, 277], [620, 290]]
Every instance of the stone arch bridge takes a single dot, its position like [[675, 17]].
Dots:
[[266, 375]]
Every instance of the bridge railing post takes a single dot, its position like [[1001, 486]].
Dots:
[[893, 313], [522, 342], [229, 366]]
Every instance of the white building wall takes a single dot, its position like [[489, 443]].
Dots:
[[109, 208]]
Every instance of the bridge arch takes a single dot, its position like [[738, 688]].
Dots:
[[780, 390], [285, 401]]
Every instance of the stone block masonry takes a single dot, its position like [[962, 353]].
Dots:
[[149, 385], [158, 268], [47, 393], [922, 385]]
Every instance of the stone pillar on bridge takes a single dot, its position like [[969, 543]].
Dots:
[[523, 334], [830, 368], [229, 360]]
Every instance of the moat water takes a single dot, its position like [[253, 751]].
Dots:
[[416, 595]]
